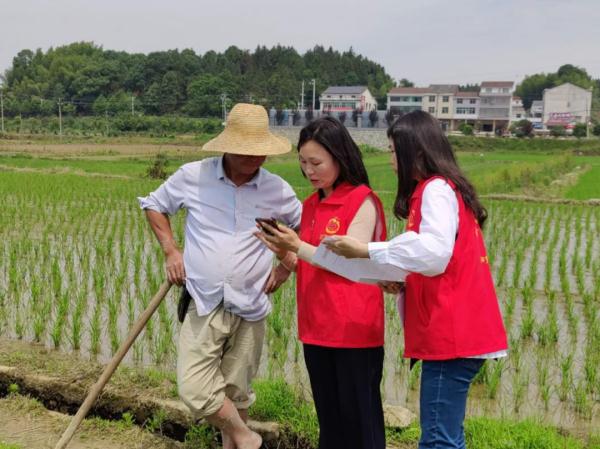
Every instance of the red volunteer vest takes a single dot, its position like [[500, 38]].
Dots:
[[455, 314], [334, 311]]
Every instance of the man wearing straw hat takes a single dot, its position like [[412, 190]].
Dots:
[[226, 270]]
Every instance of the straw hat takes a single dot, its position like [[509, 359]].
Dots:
[[247, 132]]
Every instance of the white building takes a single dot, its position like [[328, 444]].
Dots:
[[401, 100], [536, 114], [517, 110], [566, 105], [347, 98], [496, 104], [466, 108]]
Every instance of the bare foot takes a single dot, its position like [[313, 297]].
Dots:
[[252, 441]]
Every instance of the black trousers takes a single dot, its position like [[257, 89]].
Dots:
[[345, 385]]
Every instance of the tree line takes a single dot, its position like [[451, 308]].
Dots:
[[85, 79]]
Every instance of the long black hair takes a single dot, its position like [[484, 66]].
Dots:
[[335, 138], [422, 151]]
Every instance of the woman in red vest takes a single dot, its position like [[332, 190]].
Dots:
[[452, 320], [340, 322]]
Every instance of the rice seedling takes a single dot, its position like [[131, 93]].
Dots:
[[519, 389], [493, 380], [77, 320], [566, 378], [414, 376], [583, 405]]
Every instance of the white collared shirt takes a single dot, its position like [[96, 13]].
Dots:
[[429, 251], [223, 260]]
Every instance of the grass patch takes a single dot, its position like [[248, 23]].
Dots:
[[587, 186], [491, 433], [277, 401], [9, 446], [487, 433]]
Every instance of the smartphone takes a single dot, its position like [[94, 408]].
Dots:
[[270, 221]]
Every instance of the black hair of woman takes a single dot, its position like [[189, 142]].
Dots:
[[335, 138], [422, 151]]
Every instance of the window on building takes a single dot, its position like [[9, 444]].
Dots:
[[407, 99], [341, 96], [328, 96], [518, 115], [505, 90], [431, 110], [394, 98], [353, 96], [417, 99], [444, 110], [431, 98], [472, 101], [459, 100], [445, 98]]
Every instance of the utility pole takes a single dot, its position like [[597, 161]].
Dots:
[[223, 98], [2, 109], [302, 97], [60, 117], [314, 87], [132, 105], [588, 116]]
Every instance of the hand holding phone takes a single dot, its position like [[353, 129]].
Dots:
[[270, 221]]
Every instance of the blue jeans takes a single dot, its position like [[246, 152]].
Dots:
[[444, 388]]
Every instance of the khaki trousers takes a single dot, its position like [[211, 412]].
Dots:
[[218, 356]]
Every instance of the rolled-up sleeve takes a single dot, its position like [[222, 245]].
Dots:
[[169, 197], [429, 251]]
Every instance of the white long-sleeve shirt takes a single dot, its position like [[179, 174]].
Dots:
[[429, 251], [223, 260]]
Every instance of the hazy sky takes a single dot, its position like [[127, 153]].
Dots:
[[426, 41]]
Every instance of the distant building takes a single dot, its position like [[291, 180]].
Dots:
[[466, 108], [566, 105], [440, 103], [437, 99], [401, 100], [496, 104], [518, 112], [347, 98], [536, 114]]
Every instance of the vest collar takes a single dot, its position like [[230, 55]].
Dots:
[[338, 196]]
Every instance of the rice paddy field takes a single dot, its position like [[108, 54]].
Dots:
[[78, 263]]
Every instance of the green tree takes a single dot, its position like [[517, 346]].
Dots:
[[204, 95], [558, 131], [532, 87], [466, 129], [522, 128], [580, 130]]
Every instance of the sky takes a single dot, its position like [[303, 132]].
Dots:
[[425, 41]]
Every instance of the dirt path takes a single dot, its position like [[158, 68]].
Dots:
[[25, 422]]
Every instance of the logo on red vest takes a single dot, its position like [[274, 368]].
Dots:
[[333, 226]]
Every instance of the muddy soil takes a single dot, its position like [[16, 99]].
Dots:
[[25, 422]]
